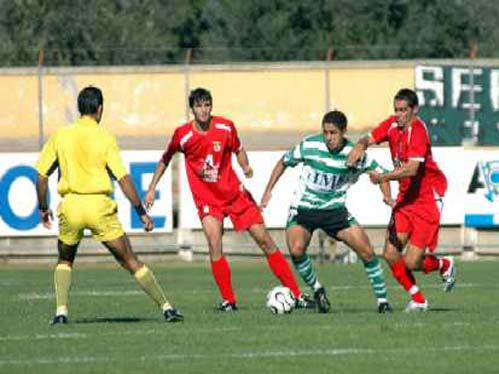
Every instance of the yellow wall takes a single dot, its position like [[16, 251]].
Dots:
[[365, 95], [267, 101], [153, 103], [19, 106]]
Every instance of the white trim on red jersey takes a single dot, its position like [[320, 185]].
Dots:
[[185, 138], [221, 126]]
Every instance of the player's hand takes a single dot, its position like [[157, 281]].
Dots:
[[248, 172], [148, 222], [375, 177], [265, 200], [149, 199], [46, 217], [355, 155], [389, 201]]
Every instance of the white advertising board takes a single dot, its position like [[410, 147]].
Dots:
[[19, 208], [364, 200], [481, 169]]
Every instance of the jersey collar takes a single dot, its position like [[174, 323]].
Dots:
[[87, 121]]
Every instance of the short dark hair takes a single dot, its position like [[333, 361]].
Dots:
[[408, 95], [337, 118], [199, 94], [89, 100]]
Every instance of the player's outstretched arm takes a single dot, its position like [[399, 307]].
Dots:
[[278, 170], [409, 169], [358, 150], [158, 173], [42, 189], [128, 188], [243, 161], [387, 194]]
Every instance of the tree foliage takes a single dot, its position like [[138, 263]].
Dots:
[[126, 32]]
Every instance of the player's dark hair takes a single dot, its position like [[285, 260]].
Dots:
[[198, 95], [409, 96], [89, 100], [337, 118]]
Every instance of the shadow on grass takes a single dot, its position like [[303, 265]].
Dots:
[[456, 309], [111, 320]]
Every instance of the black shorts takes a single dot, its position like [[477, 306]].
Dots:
[[330, 221]]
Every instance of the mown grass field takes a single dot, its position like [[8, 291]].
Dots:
[[116, 329]]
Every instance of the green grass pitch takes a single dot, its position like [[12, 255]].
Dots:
[[115, 328]]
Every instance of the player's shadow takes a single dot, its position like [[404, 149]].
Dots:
[[441, 309], [111, 320]]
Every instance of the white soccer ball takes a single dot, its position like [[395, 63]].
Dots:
[[280, 300]]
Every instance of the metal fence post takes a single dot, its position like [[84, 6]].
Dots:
[[184, 236], [40, 99]]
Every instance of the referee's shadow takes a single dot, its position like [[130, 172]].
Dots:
[[111, 320]]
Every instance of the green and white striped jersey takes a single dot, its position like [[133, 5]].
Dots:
[[325, 178]]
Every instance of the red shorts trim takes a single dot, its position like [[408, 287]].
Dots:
[[242, 211], [422, 233]]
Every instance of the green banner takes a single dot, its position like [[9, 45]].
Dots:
[[460, 104]]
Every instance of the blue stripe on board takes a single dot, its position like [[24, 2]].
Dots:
[[480, 220]]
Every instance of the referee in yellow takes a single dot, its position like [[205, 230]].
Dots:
[[87, 155]]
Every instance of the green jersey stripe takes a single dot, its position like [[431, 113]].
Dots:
[[324, 178]]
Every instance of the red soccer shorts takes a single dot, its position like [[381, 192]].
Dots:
[[242, 211], [423, 233]]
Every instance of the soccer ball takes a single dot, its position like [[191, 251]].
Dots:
[[280, 300]]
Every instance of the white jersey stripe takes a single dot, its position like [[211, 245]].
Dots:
[[223, 127], [185, 138]]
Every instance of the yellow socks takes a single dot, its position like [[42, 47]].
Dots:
[[147, 281], [62, 284]]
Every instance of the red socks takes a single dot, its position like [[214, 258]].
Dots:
[[277, 262], [406, 279], [282, 271], [430, 263], [221, 272]]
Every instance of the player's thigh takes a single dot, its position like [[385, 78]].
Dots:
[[213, 231], [71, 219], [102, 218], [356, 238], [425, 233], [298, 239]]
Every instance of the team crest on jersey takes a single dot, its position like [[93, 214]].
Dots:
[[217, 146]]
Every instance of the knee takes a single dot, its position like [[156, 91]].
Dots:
[[296, 251], [390, 258], [412, 263], [265, 243]]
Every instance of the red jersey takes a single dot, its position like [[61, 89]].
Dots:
[[413, 143], [208, 160]]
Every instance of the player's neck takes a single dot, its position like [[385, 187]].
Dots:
[[202, 126], [339, 148]]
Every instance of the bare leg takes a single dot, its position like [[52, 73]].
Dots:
[[122, 251], [213, 230], [356, 238]]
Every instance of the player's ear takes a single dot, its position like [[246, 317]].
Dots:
[[100, 109]]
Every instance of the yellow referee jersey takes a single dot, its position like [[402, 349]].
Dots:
[[86, 154]]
